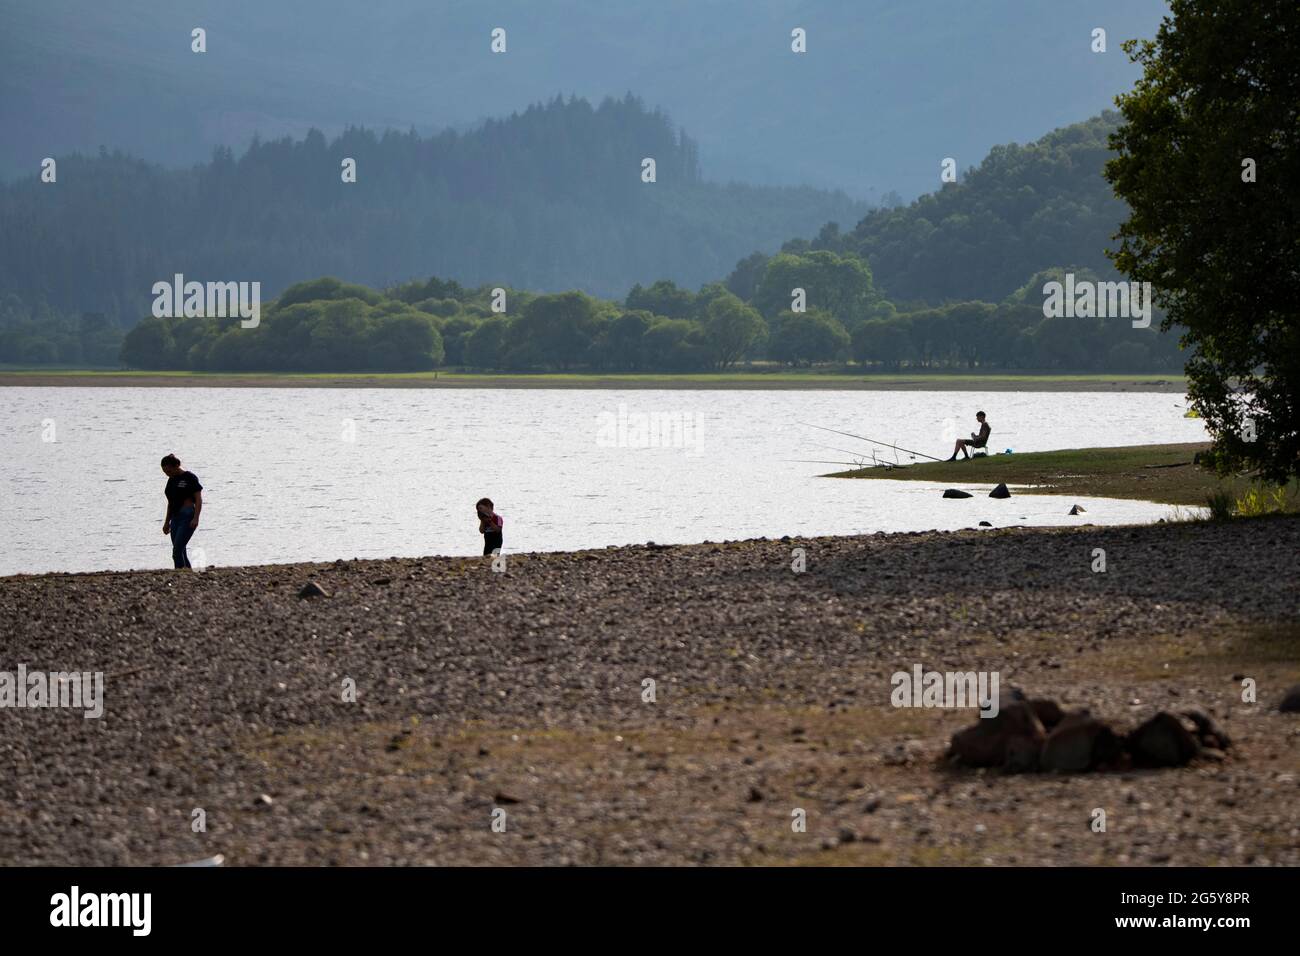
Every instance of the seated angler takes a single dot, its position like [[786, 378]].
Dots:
[[979, 440]]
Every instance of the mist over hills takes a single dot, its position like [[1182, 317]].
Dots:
[[548, 199], [225, 166], [886, 90]]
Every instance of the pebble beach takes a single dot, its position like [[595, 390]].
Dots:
[[655, 705]]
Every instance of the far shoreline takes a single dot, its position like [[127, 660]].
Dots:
[[753, 381]]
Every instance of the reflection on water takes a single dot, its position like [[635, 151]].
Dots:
[[318, 474]]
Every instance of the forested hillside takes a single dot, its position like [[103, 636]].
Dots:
[[549, 199], [1023, 209], [955, 280]]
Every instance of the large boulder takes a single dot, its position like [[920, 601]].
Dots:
[[1080, 742], [1011, 740], [1208, 733], [1163, 741], [1001, 491], [955, 493], [1048, 712], [1036, 734]]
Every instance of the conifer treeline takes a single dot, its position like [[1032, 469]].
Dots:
[[548, 199]]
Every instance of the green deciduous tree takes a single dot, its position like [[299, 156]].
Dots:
[[662, 298], [731, 327], [486, 345], [841, 286], [622, 347], [149, 345], [1220, 88], [407, 341], [675, 345], [455, 333], [972, 330], [801, 338], [883, 341], [558, 329], [744, 279]]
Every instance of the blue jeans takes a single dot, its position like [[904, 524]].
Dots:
[[181, 534]]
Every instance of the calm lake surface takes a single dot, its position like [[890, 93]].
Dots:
[[318, 474]]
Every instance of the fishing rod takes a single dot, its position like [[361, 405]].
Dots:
[[845, 451], [875, 462], [856, 465], [872, 440]]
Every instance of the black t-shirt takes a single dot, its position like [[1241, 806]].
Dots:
[[180, 489]]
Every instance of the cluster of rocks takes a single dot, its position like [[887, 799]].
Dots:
[[1038, 735], [1001, 491]]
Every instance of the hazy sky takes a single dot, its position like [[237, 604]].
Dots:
[[887, 89]]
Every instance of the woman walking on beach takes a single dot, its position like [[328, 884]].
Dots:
[[489, 525], [184, 502]]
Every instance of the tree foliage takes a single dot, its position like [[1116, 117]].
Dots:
[[37, 334], [1022, 209], [1221, 87], [296, 333], [841, 286], [802, 338], [731, 328]]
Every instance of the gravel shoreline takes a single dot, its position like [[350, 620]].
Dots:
[[523, 692]]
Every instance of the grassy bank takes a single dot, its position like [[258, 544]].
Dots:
[[1162, 473], [741, 380]]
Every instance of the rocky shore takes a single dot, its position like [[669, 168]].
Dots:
[[522, 699]]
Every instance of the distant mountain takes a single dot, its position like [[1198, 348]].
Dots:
[[549, 199], [885, 91], [1024, 209]]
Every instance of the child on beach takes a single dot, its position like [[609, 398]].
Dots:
[[489, 525]]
